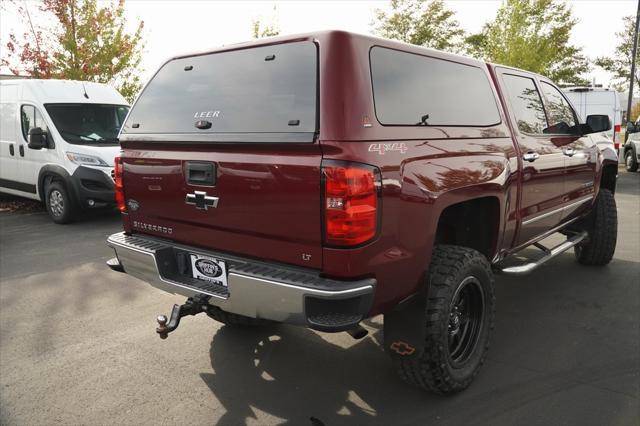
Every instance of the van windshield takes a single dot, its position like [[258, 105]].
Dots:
[[88, 124], [258, 94]]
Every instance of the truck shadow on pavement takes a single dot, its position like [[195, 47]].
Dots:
[[548, 346], [293, 375]]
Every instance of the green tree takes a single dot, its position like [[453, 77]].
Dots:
[[268, 30], [532, 35], [620, 63], [422, 22], [259, 31], [86, 41]]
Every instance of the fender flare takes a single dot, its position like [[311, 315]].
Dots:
[[56, 171], [609, 155], [443, 201]]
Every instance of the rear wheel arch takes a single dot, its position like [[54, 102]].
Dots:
[[471, 223]]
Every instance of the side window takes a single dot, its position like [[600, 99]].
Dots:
[[562, 118], [30, 117], [416, 90], [526, 103], [121, 114]]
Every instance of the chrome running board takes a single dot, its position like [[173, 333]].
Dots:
[[549, 254]]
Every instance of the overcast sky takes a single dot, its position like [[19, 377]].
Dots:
[[175, 26]]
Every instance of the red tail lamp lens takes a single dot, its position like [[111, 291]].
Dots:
[[117, 177], [351, 203]]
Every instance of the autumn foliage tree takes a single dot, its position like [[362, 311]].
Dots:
[[83, 40]]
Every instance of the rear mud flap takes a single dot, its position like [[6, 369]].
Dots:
[[405, 328]]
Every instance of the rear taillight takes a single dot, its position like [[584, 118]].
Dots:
[[351, 203], [616, 136], [117, 177]]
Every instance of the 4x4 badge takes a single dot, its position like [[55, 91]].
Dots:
[[201, 200], [381, 148]]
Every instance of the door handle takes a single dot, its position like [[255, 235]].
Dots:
[[11, 150], [531, 156], [569, 152], [21, 150]]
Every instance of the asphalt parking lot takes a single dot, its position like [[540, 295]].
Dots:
[[77, 346]]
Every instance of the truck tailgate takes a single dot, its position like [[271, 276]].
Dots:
[[268, 199]]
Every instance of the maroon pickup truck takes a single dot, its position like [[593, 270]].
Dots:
[[324, 178]]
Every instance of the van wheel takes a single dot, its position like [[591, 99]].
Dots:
[[602, 226], [630, 162], [60, 205], [459, 319]]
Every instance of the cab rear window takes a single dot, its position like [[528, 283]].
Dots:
[[258, 94], [416, 90]]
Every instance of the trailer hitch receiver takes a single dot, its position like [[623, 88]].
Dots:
[[193, 305]]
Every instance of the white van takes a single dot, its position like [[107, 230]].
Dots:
[[631, 149], [58, 139], [598, 100]]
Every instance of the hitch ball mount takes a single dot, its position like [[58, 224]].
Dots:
[[193, 306]]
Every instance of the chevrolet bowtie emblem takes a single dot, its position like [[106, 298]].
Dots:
[[201, 200]]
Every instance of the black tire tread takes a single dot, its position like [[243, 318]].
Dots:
[[70, 209], [429, 371], [602, 226], [634, 163]]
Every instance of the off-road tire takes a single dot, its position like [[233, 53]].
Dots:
[[602, 226], [630, 162], [433, 370], [60, 204], [228, 318]]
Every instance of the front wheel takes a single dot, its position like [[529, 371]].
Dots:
[[602, 226], [60, 206], [459, 319], [631, 164]]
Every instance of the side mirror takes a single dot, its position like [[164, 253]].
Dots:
[[598, 123], [37, 138]]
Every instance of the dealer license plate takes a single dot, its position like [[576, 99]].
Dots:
[[209, 269]]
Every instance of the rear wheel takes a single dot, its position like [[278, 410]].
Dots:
[[60, 206], [459, 319], [630, 161], [602, 226]]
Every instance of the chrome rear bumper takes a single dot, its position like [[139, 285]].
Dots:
[[255, 289]]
